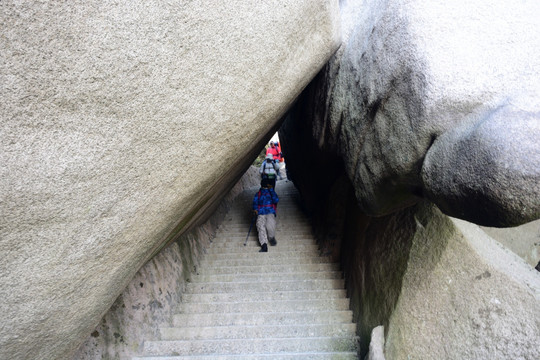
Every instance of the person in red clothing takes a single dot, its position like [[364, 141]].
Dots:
[[274, 151], [278, 147], [279, 160]]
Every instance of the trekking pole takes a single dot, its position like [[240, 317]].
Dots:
[[250, 226]]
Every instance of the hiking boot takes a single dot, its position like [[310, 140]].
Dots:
[[264, 248], [273, 241]]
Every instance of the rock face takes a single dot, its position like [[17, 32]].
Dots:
[[376, 347], [491, 166], [427, 102], [463, 296], [152, 296], [436, 100], [523, 240], [123, 125], [440, 286]]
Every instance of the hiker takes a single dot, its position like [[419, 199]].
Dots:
[[264, 207], [274, 151], [269, 170]]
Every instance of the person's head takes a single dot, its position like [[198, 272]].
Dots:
[[272, 144], [269, 157], [266, 183]]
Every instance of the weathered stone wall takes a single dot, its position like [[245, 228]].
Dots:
[[524, 240], [442, 288], [436, 100], [156, 290], [123, 125], [427, 102], [464, 296]]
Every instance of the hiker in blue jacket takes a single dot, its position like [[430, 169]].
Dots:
[[264, 206]]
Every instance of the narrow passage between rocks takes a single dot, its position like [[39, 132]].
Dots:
[[287, 303]]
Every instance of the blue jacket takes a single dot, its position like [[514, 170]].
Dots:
[[265, 201]]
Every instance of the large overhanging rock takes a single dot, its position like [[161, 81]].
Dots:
[[122, 124], [440, 100]]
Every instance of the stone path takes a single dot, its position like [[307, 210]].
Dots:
[[286, 304]]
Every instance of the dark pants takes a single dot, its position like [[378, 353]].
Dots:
[[272, 180]]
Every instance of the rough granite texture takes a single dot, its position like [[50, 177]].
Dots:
[[524, 240], [123, 125], [376, 346], [410, 78], [154, 293], [436, 100], [441, 287], [464, 296]]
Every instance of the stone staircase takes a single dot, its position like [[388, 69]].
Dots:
[[288, 303]]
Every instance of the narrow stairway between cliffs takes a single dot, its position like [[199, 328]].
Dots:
[[289, 303]]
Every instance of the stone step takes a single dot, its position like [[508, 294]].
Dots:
[[256, 332], [283, 250], [286, 304], [246, 212], [283, 200], [253, 236], [281, 356], [261, 259], [269, 268], [253, 246], [246, 207], [244, 297], [245, 218], [281, 222], [241, 239], [291, 229], [253, 233], [250, 346], [271, 257], [282, 228], [264, 306], [286, 220], [257, 319], [280, 225], [273, 252], [264, 286], [267, 276], [286, 228], [279, 234]]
